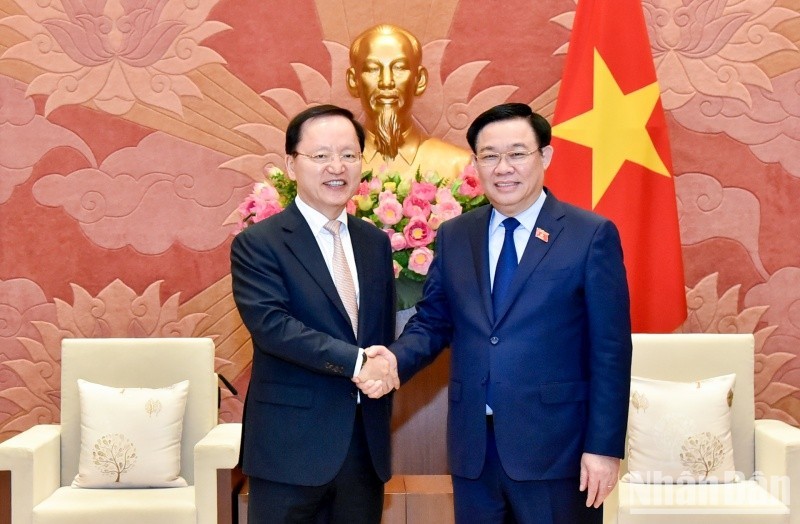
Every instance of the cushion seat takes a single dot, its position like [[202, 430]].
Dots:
[[145, 375], [110, 506], [766, 452], [743, 502]]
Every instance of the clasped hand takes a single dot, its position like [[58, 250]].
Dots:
[[378, 375]]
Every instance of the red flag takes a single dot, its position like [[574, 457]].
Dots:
[[612, 153]]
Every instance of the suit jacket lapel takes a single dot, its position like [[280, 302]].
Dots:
[[536, 249], [300, 241], [479, 240]]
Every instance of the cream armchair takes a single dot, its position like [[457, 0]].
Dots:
[[44, 460], [766, 452]]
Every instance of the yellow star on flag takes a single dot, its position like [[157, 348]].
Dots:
[[615, 129]]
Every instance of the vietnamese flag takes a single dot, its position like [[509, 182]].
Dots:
[[612, 153]]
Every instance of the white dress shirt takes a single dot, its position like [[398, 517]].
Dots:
[[527, 221], [316, 221]]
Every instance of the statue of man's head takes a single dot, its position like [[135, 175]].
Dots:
[[386, 73]]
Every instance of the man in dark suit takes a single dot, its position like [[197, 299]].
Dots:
[[531, 295], [314, 286]]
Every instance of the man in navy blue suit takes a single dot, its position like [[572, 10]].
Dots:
[[531, 295], [313, 286]]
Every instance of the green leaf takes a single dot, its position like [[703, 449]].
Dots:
[[408, 292], [402, 257], [412, 276], [478, 201]]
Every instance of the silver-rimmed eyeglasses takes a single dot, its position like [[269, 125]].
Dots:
[[326, 157], [512, 157]]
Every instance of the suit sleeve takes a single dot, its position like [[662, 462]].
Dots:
[[430, 330], [608, 308], [260, 290]]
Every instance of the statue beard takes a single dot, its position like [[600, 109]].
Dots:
[[388, 135]]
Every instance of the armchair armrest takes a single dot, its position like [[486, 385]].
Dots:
[[219, 449], [777, 457], [34, 459]]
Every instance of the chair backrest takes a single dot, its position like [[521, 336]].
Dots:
[[138, 362], [689, 357]]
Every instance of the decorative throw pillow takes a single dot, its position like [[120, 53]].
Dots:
[[680, 432], [130, 437]]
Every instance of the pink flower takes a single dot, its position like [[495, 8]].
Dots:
[[398, 241], [420, 260], [245, 209], [471, 185], [435, 221], [255, 209], [375, 185], [444, 194], [397, 268], [363, 189], [389, 210], [263, 202], [266, 191], [418, 233], [416, 207], [423, 190], [446, 207], [266, 209]]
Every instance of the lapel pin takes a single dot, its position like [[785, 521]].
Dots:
[[542, 235]]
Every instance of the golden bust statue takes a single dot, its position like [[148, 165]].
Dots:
[[386, 74]]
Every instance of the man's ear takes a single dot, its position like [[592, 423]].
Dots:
[[289, 160], [547, 155], [422, 80], [352, 84]]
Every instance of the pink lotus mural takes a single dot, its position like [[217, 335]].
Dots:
[[115, 52]]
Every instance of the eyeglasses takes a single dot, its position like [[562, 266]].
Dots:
[[512, 157], [326, 157]]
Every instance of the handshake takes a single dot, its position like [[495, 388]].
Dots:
[[378, 375]]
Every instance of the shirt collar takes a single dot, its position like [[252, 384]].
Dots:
[[527, 218], [316, 220]]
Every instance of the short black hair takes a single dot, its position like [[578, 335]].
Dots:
[[295, 128], [509, 111]]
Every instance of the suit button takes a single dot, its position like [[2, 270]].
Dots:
[[494, 341], [483, 381], [353, 394]]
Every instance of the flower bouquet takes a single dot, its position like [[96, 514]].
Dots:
[[409, 210]]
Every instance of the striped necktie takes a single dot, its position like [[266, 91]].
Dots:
[[342, 276]]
